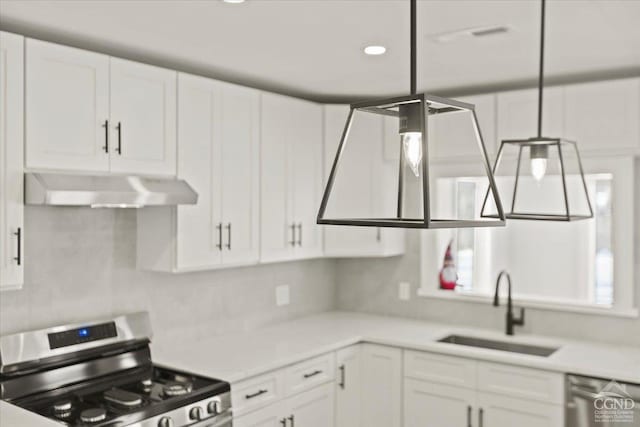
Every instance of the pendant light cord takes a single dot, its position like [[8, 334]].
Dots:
[[413, 47], [541, 73]]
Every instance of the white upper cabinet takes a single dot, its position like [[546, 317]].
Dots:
[[11, 161], [67, 108], [604, 116], [143, 118], [291, 178], [518, 114], [240, 173], [218, 152], [367, 179], [89, 112], [452, 136]]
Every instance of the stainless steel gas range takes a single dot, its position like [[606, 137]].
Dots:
[[101, 374]]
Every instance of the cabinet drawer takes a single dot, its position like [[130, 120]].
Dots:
[[308, 374], [257, 392], [519, 382], [440, 368]]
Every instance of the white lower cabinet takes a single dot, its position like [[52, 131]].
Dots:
[[349, 386], [503, 411], [270, 416], [381, 386], [11, 163], [428, 404], [442, 390], [311, 408]]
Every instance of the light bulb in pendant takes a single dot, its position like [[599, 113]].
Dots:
[[539, 155], [412, 147], [538, 168]]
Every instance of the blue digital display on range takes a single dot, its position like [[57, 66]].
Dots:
[[83, 332]]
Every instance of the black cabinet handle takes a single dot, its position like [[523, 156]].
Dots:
[[119, 147], [283, 422], [106, 136], [300, 234], [256, 394], [292, 418], [312, 374], [228, 227], [480, 417], [469, 409], [292, 242], [378, 235], [18, 257], [219, 228], [342, 377]]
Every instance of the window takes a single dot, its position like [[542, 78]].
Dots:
[[588, 263]]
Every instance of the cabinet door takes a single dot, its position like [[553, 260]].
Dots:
[[313, 408], [503, 411], [604, 116], [304, 135], [429, 404], [239, 137], [366, 184], [199, 233], [382, 386], [67, 108], [454, 134], [276, 223], [273, 415], [349, 387], [518, 114], [11, 161], [143, 119]]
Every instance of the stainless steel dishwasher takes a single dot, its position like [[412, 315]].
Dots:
[[595, 402]]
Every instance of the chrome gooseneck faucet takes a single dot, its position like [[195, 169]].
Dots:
[[511, 320]]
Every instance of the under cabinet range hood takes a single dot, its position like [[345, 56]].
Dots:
[[55, 189]]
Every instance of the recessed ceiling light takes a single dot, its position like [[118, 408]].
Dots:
[[233, 1], [375, 50]]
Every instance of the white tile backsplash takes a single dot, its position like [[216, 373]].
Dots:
[[80, 265]]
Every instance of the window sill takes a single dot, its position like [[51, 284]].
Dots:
[[532, 303]]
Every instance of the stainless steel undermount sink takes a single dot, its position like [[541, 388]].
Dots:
[[533, 350]]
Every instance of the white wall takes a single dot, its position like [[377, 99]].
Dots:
[[80, 264], [372, 286]]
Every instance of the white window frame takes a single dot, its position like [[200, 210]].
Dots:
[[622, 168]]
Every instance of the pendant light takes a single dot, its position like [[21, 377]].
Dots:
[[409, 115], [551, 193]]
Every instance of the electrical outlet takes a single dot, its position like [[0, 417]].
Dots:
[[282, 295], [404, 291]]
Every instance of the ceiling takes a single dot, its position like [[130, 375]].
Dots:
[[313, 48]]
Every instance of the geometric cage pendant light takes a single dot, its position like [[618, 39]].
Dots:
[[550, 186], [412, 203]]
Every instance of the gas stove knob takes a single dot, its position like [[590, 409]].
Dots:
[[212, 407], [165, 422], [195, 413]]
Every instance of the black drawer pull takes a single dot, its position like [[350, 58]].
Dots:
[[312, 374], [256, 394], [106, 136]]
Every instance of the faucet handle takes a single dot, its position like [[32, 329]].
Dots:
[[519, 320]]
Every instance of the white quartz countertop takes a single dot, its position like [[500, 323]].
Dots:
[[243, 355], [238, 356]]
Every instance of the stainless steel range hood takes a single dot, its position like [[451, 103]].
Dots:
[[106, 191]]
